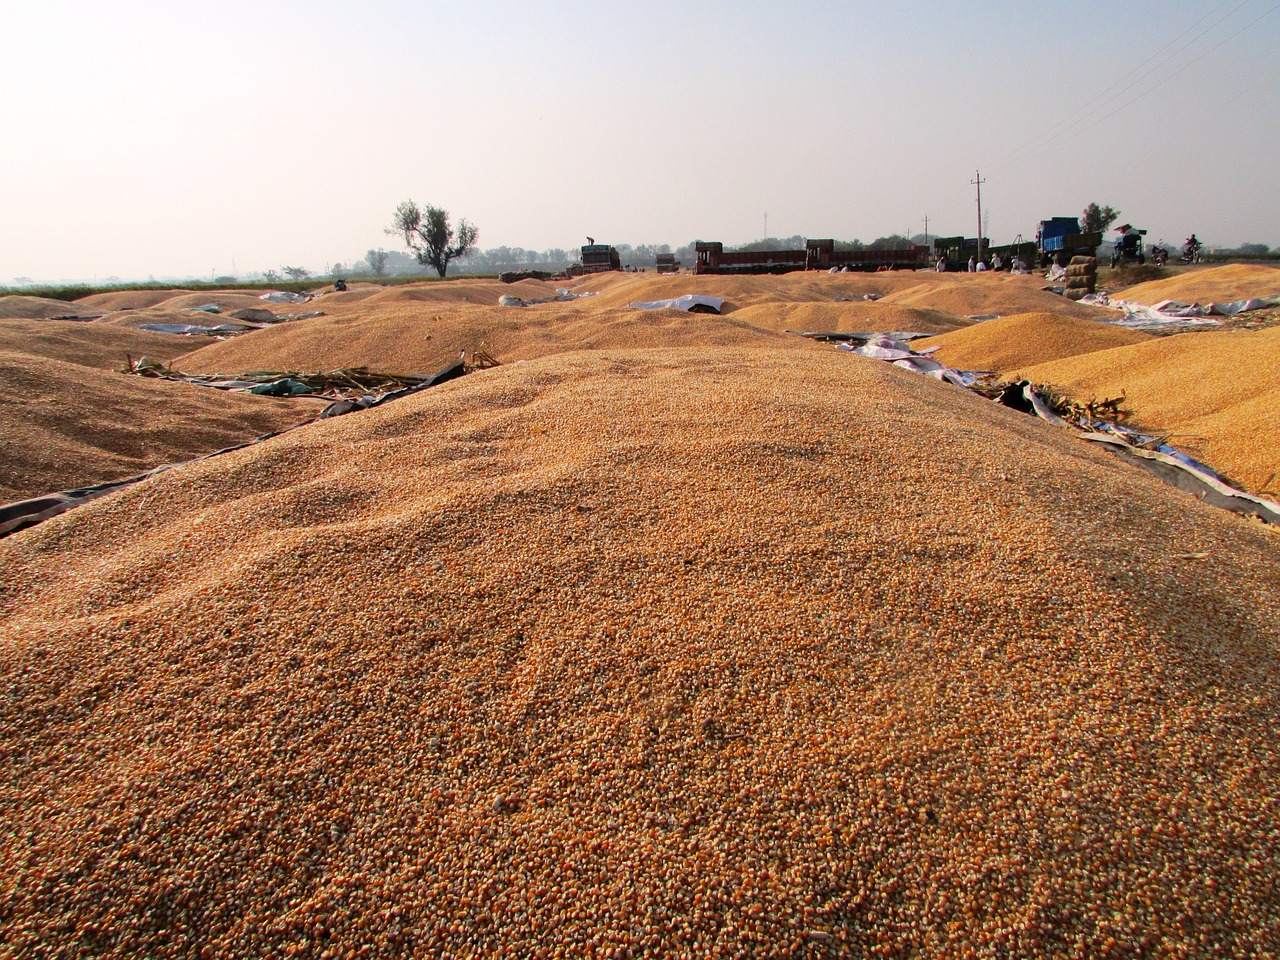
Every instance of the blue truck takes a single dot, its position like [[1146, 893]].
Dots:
[[1060, 237]]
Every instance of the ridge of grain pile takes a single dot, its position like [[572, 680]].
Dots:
[[414, 337], [1217, 394], [1233, 281], [18, 307], [1007, 343], [641, 653], [112, 300], [227, 300], [65, 425], [853, 317], [456, 291], [987, 293], [619, 289], [97, 344]]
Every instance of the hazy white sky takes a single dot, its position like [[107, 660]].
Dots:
[[174, 138]]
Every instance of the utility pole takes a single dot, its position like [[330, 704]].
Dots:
[[766, 224], [926, 229], [978, 182]]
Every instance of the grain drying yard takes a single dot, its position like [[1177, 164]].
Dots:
[[670, 635]]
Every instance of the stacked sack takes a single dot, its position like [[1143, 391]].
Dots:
[[1082, 277]]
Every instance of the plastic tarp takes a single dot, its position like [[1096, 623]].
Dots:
[[194, 328], [1192, 476], [282, 296], [1174, 315], [900, 354], [1170, 465], [256, 314], [285, 387], [562, 296], [691, 302], [859, 336]]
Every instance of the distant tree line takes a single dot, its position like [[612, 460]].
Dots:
[[642, 256]]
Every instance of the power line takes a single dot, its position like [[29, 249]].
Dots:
[[1121, 82], [1138, 96], [1120, 86]]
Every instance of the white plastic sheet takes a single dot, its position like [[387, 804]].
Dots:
[[687, 302]]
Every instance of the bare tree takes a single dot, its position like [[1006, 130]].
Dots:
[[296, 273], [428, 233]]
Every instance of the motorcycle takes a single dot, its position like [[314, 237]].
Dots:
[[1159, 254], [1191, 252]]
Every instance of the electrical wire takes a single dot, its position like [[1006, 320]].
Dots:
[[1120, 85], [1143, 93]]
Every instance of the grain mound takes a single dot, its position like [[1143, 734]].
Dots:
[[95, 344], [1023, 339], [848, 317], [455, 291], [228, 300], [1218, 394], [1235, 281], [129, 299], [166, 314], [39, 308], [64, 425], [619, 289], [420, 338], [354, 293], [979, 294], [623, 654]]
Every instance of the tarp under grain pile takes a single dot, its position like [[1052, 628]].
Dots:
[[41, 308], [1234, 281], [849, 317], [645, 653], [413, 337], [91, 344], [1216, 394], [64, 425], [984, 294], [1011, 342]]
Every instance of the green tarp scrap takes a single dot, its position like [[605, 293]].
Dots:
[[331, 384], [287, 387]]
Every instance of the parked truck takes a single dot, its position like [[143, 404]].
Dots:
[[1060, 238], [600, 258]]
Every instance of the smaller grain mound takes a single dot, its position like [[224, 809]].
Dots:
[[91, 344], [802, 286], [983, 293], [354, 293], [227, 300], [1235, 281], [63, 425], [167, 314], [129, 299], [1217, 394], [849, 317], [456, 291], [1023, 339], [410, 337], [40, 308]]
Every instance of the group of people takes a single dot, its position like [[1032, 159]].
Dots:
[[1013, 264]]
